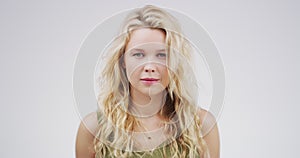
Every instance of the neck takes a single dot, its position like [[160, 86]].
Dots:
[[145, 106]]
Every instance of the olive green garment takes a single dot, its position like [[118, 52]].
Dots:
[[157, 153]]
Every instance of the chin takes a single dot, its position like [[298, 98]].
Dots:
[[154, 90]]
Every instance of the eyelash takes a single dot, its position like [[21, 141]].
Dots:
[[160, 55], [137, 55]]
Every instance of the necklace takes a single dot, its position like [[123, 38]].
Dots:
[[147, 133], [150, 140]]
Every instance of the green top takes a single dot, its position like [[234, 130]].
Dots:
[[156, 153]]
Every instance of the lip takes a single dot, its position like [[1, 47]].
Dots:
[[149, 81]]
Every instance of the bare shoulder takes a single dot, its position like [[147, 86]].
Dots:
[[90, 121], [85, 136], [207, 120], [210, 132]]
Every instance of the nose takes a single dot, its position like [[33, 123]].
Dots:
[[150, 67]]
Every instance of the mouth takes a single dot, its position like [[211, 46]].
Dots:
[[149, 81]]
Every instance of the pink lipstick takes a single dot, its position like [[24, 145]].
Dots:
[[149, 81]]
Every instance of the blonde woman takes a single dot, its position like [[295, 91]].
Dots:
[[147, 102]]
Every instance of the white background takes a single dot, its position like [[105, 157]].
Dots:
[[257, 40]]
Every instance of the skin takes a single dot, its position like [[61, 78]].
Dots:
[[144, 58], [87, 131]]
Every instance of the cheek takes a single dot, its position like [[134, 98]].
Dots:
[[132, 72], [128, 67], [165, 76]]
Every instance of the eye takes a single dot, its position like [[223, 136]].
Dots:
[[138, 55], [161, 55]]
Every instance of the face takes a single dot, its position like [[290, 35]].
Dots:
[[145, 61]]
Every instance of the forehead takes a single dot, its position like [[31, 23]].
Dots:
[[145, 36]]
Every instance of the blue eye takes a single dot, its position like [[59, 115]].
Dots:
[[138, 55], [161, 55]]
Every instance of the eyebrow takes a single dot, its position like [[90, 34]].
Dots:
[[136, 49], [142, 50], [161, 50]]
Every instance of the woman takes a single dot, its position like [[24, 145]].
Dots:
[[147, 105]]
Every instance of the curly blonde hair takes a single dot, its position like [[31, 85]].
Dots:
[[114, 138]]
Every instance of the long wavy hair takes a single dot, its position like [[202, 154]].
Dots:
[[115, 125]]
